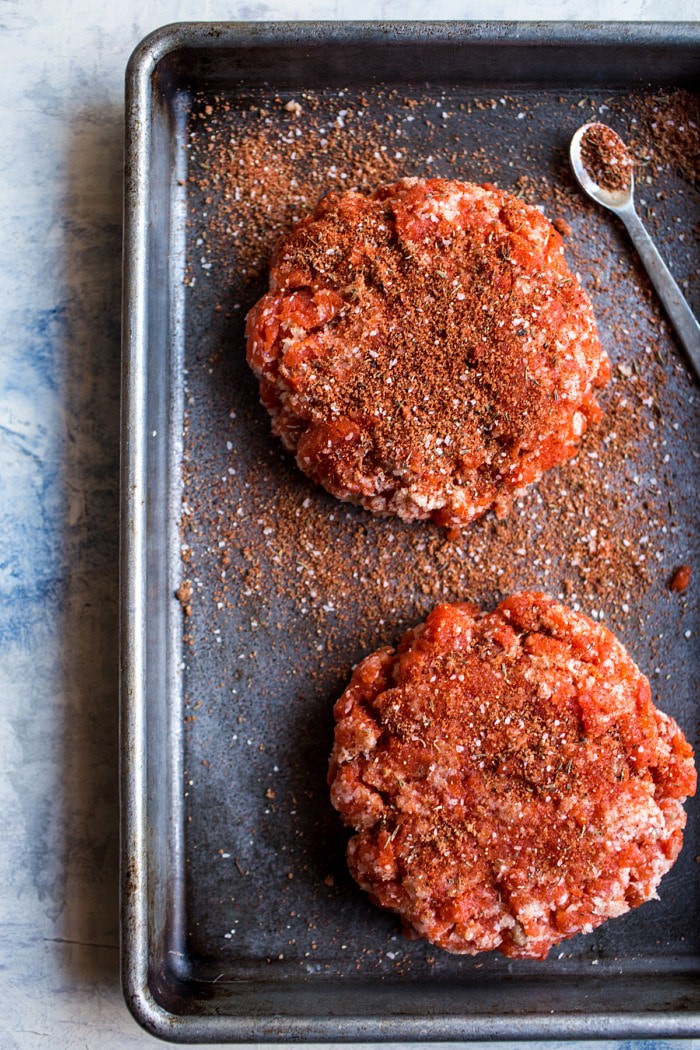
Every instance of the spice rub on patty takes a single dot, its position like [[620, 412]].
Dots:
[[425, 350], [508, 778]]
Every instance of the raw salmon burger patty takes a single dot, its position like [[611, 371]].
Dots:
[[425, 350], [508, 777]]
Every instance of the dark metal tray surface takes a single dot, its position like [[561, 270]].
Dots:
[[239, 919]]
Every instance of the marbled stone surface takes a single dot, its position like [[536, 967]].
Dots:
[[61, 69]]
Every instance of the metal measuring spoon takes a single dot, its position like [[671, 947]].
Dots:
[[621, 203]]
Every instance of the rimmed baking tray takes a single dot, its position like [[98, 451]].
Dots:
[[238, 922]]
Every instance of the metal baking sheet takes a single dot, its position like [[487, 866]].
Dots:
[[239, 921]]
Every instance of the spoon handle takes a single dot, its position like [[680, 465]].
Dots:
[[680, 314]]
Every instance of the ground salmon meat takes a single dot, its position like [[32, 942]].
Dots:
[[508, 777], [425, 350]]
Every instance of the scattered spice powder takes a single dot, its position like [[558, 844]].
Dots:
[[681, 579], [184, 596], [583, 548], [288, 581], [667, 135], [562, 226]]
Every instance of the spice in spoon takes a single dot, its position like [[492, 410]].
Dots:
[[606, 158]]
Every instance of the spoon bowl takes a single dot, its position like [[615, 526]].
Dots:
[[615, 200]]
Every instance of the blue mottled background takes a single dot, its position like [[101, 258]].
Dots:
[[61, 73]]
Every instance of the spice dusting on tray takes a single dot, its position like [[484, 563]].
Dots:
[[286, 582], [680, 580], [256, 173]]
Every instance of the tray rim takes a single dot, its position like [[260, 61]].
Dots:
[[139, 996]]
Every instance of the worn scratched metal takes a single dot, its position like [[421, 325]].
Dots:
[[349, 976]]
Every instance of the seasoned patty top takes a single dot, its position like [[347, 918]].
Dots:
[[427, 337], [511, 765]]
